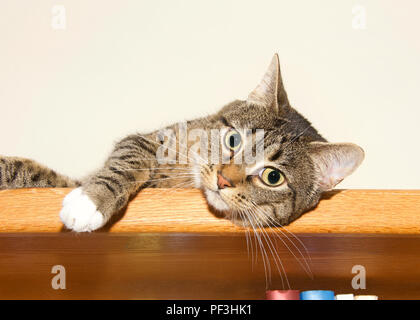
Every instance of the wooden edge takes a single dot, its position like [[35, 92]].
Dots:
[[179, 211]]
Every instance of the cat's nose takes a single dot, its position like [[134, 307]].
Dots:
[[222, 182]]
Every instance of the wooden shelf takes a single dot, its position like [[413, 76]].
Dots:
[[167, 210], [168, 245]]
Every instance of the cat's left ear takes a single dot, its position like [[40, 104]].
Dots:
[[334, 161], [270, 92]]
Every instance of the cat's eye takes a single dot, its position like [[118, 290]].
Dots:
[[233, 140], [271, 177]]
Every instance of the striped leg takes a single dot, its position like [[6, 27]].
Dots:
[[108, 190], [18, 173]]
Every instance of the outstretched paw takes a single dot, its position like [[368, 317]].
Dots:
[[79, 213]]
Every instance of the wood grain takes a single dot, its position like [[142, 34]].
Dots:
[[200, 266], [168, 210], [168, 245]]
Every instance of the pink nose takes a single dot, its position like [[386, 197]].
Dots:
[[222, 182]]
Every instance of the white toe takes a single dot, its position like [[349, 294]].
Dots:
[[79, 213]]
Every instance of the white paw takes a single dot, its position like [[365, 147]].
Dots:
[[79, 212]]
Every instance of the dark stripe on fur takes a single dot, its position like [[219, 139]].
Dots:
[[112, 180], [145, 185], [276, 155], [146, 145], [293, 196], [124, 174], [106, 184], [36, 177], [225, 122], [18, 165], [135, 163]]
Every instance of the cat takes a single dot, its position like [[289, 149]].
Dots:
[[298, 166]]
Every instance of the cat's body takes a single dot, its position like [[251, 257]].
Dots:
[[298, 166]]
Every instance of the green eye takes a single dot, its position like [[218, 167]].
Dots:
[[233, 140], [271, 177]]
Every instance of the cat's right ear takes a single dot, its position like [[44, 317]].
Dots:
[[270, 91]]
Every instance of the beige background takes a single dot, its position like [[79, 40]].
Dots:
[[121, 66]]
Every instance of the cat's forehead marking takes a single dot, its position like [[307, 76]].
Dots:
[[276, 155], [225, 121]]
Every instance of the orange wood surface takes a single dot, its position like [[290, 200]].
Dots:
[[201, 266], [168, 245], [166, 210]]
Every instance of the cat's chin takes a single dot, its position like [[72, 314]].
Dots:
[[216, 202]]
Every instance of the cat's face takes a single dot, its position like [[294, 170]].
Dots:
[[296, 167]]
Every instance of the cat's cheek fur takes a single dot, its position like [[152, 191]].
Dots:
[[216, 201], [79, 213]]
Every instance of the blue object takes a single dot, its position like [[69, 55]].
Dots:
[[317, 295]]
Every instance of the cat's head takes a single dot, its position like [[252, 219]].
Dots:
[[297, 166]]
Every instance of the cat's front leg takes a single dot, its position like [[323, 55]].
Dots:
[[106, 192]]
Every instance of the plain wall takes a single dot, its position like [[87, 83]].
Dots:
[[122, 66]]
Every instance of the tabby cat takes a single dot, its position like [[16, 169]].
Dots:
[[298, 165]]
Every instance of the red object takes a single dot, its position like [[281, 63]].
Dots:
[[282, 295]]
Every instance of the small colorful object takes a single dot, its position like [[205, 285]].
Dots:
[[366, 297], [317, 295], [282, 295], [345, 296]]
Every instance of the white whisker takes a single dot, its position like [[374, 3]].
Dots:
[[273, 226], [305, 267], [272, 249]]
